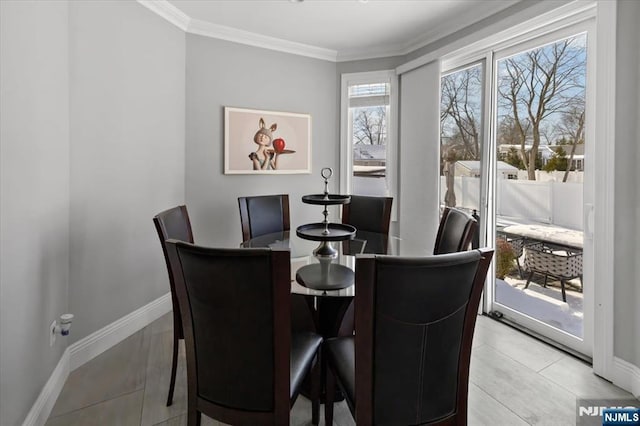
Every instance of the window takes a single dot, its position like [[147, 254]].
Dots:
[[367, 134], [461, 104]]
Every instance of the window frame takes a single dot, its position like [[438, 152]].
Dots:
[[567, 24], [346, 128]]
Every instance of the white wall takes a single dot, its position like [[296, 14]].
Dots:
[[34, 195], [627, 179], [220, 74], [127, 155]]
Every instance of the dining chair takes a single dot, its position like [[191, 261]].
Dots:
[[173, 223], [263, 214], [455, 232], [372, 214], [408, 362], [266, 214], [244, 365]]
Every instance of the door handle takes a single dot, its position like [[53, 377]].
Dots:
[[588, 220]]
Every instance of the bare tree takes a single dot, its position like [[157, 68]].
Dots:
[[370, 125], [460, 111], [512, 132], [537, 84]]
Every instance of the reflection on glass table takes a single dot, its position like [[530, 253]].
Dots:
[[363, 243]]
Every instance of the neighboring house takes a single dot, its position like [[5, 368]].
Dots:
[[577, 163], [548, 151], [472, 168], [369, 155]]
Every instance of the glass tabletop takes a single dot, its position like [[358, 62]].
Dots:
[[363, 243]]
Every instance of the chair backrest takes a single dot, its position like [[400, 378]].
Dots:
[[372, 214], [475, 240], [173, 224], [235, 306], [414, 326], [263, 214], [455, 232]]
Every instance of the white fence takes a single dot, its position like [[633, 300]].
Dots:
[[550, 202]]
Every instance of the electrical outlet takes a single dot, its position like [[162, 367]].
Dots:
[[52, 333]]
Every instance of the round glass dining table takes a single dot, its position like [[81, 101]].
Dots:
[[363, 243], [332, 309]]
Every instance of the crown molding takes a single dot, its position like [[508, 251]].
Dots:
[[167, 11], [172, 14], [252, 39], [194, 26], [364, 54]]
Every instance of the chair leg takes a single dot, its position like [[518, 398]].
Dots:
[[329, 395], [545, 280], [520, 273], [174, 366], [581, 286], [564, 294], [316, 386], [194, 417], [526, 286]]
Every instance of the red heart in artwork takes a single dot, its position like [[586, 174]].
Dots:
[[278, 145]]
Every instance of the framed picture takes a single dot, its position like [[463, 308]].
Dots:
[[266, 142]]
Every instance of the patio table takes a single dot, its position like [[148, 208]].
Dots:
[[549, 234], [552, 251]]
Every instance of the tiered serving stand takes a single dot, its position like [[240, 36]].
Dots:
[[325, 275]]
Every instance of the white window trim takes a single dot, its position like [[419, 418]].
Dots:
[[346, 150]]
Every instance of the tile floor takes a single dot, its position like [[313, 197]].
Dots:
[[515, 380]]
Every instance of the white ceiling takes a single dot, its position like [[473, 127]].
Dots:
[[344, 29]]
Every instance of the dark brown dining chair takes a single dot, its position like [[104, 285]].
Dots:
[[266, 214], [455, 232], [372, 214], [173, 223], [244, 365], [263, 214], [408, 362]]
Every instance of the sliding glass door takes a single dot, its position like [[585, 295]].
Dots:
[[517, 157], [540, 109]]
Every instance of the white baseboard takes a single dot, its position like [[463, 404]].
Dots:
[[41, 409], [96, 343], [626, 376], [89, 347]]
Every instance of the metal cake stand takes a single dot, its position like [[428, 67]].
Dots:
[[326, 275]]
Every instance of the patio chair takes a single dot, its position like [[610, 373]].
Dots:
[[561, 263], [517, 244]]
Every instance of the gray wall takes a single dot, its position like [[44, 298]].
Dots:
[[627, 196], [127, 156], [419, 153], [34, 194], [98, 122], [220, 74]]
